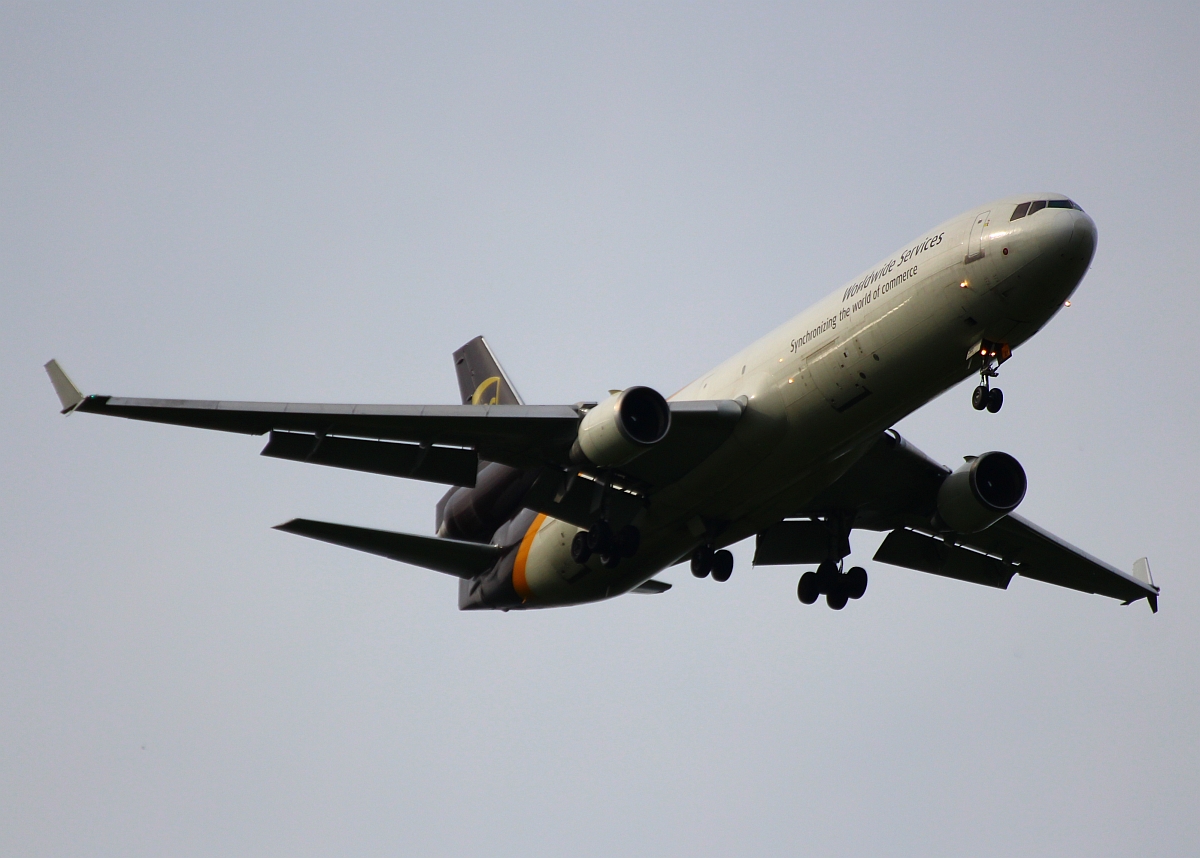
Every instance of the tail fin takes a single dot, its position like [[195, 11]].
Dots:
[[481, 380]]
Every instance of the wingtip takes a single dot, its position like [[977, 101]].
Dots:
[[69, 395]]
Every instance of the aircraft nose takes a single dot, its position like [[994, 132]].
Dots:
[[1083, 237], [1069, 235]]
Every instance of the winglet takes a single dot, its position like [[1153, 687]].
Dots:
[[1141, 571], [68, 394]]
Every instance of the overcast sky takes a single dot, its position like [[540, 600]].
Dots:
[[320, 203]]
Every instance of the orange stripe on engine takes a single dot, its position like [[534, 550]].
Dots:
[[519, 582]]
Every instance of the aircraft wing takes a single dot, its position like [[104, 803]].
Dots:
[[441, 443], [523, 435], [893, 487]]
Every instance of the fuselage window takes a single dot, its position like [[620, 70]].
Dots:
[[1020, 211], [1037, 206]]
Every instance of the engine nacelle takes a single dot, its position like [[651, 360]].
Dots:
[[981, 492], [622, 427]]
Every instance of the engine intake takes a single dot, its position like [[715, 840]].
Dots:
[[981, 492], [622, 427]]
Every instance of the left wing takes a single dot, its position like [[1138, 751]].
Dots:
[[894, 486]]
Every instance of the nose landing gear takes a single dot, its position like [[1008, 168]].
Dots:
[[838, 587], [985, 396]]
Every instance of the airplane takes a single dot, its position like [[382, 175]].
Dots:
[[789, 442]]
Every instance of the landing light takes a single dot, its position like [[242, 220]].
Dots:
[[963, 285], [1067, 304]]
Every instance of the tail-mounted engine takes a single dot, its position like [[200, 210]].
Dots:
[[981, 492], [622, 427]]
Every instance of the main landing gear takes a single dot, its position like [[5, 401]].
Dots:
[[601, 540], [719, 563], [836, 586], [986, 396]]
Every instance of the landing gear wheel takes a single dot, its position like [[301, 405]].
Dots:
[[809, 588], [837, 599], [856, 582], [702, 561], [980, 397], [580, 552], [722, 565], [629, 538], [600, 538], [995, 400], [828, 576]]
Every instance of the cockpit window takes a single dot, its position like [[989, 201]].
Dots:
[[1029, 208]]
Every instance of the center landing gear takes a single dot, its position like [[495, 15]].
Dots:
[[838, 587], [719, 563], [986, 396], [602, 541]]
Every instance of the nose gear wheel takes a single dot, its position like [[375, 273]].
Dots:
[[985, 396]]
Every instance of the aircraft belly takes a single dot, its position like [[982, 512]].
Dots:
[[913, 351], [547, 576]]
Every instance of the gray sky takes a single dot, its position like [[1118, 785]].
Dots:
[[320, 203]]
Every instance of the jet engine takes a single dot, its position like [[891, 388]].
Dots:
[[981, 492], [622, 427]]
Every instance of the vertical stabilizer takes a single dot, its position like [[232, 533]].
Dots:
[[481, 380]]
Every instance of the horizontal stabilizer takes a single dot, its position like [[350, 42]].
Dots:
[[455, 466], [68, 394], [651, 586], [452, 556]]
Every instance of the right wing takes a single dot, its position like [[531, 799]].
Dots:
[[520, 435], [437, 436]]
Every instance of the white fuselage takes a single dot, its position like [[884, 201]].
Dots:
[[819, 388]]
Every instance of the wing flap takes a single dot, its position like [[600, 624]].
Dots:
[[455, 466], [924, 553], [451, 556], [1041, 555]]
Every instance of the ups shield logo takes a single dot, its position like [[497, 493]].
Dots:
[[489, 385]]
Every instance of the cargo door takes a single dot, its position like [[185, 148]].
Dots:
[[975, 242]]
